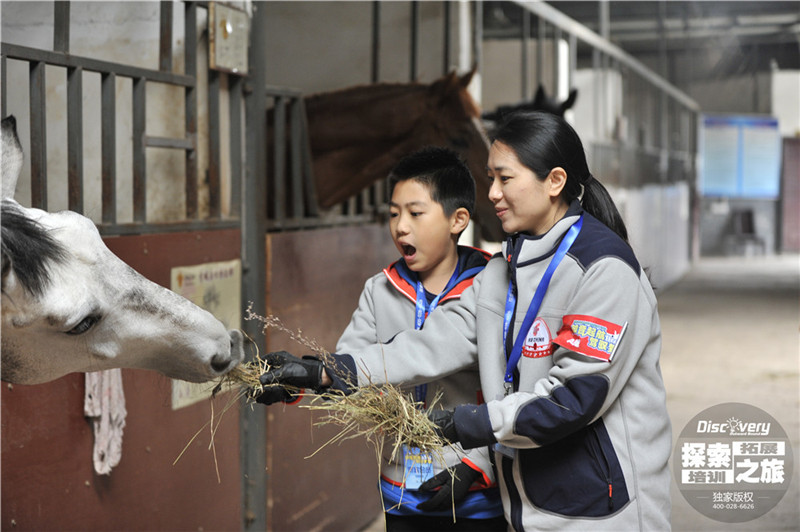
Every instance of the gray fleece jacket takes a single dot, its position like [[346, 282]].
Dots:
[[386, 307], [584, 435]]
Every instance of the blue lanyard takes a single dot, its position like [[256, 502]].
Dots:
[[422, 311], [533, 309]]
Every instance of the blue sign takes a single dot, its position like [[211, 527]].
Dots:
[[741, 156]]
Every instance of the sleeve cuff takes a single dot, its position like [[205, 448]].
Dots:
[[473, 426], [343, 373]]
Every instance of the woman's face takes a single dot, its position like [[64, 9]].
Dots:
[[523, 202]]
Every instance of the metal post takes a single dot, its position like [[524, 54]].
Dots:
[[190, 104], [61, 26], [139, 158], [235, 112], [108, 133], [165, 37], [376, 41], [214, 152], [75, 139], [252, 422], [38, 147], [414, 39], [525, 70], [447, 32]]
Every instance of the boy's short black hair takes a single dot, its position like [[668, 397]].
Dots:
[[442, 169]]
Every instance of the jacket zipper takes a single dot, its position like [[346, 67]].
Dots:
[[605, 471]]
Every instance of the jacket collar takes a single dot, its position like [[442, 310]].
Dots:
[[470, 262], [522, 248]]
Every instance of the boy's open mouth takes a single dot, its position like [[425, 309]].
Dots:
[[408, 250]]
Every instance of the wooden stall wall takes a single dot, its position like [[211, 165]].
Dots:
[[314, 279], [48, 480]]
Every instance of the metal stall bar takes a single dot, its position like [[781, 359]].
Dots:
[[252, 422], [214, 153], [75, 139], [308, 170], [235, 112], [165, 40], [446, 48], [38, 135], [61, 26], [279, 158], [139, 160], [296, 154], [540, 41], [34, 55], [108, 135], [190, 108], [525, 70], [414, 40], [376, 41]]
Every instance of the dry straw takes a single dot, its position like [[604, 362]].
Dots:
[[380, 413], [374, 411]]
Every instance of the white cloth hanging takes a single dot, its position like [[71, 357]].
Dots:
[[104, 403]]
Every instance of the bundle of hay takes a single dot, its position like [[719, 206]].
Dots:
[[375, 411]]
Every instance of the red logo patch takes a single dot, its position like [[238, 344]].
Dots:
[[538, 342], [590, 336]]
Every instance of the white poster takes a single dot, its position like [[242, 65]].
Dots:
[[215, 287]]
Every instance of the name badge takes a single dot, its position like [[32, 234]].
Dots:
[[418, 466]]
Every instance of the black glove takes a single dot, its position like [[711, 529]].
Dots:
[[453, 483], [445, 425], [286, 368], [275, 394]]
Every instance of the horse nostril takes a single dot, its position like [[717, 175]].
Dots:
[[219, 363]]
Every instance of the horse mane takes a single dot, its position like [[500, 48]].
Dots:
[[28, 249], [354, 95], [354, 91]]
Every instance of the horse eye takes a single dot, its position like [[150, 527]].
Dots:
[[86, 323]]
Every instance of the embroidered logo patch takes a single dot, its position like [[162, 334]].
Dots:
[[538, 341], [590, 336]]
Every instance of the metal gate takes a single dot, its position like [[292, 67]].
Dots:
[[48, 480]]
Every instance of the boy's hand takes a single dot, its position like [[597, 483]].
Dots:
[[285, 368], [454, 485]]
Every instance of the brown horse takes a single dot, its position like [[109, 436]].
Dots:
[[357, 134]]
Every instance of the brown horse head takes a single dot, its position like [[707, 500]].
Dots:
[[358, 134]]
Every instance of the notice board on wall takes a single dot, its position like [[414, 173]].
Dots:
[[741, 156]]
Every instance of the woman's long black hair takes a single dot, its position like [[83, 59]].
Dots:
[[544, 141]]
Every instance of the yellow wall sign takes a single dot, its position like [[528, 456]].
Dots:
[[215, 287]]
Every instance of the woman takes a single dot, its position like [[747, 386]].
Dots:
[[565, 330]]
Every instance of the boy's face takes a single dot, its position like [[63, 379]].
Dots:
[[420, 230]]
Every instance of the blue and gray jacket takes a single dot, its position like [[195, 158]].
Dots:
[[386, 307], [584, 435]]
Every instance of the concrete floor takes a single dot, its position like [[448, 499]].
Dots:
[[731, 334]]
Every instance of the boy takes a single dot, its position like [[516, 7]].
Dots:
[[433, 195]]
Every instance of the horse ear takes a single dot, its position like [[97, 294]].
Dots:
[[540, 96], [467, 78], [570, 101]]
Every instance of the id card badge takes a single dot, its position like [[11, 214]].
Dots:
[[418, 466]]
